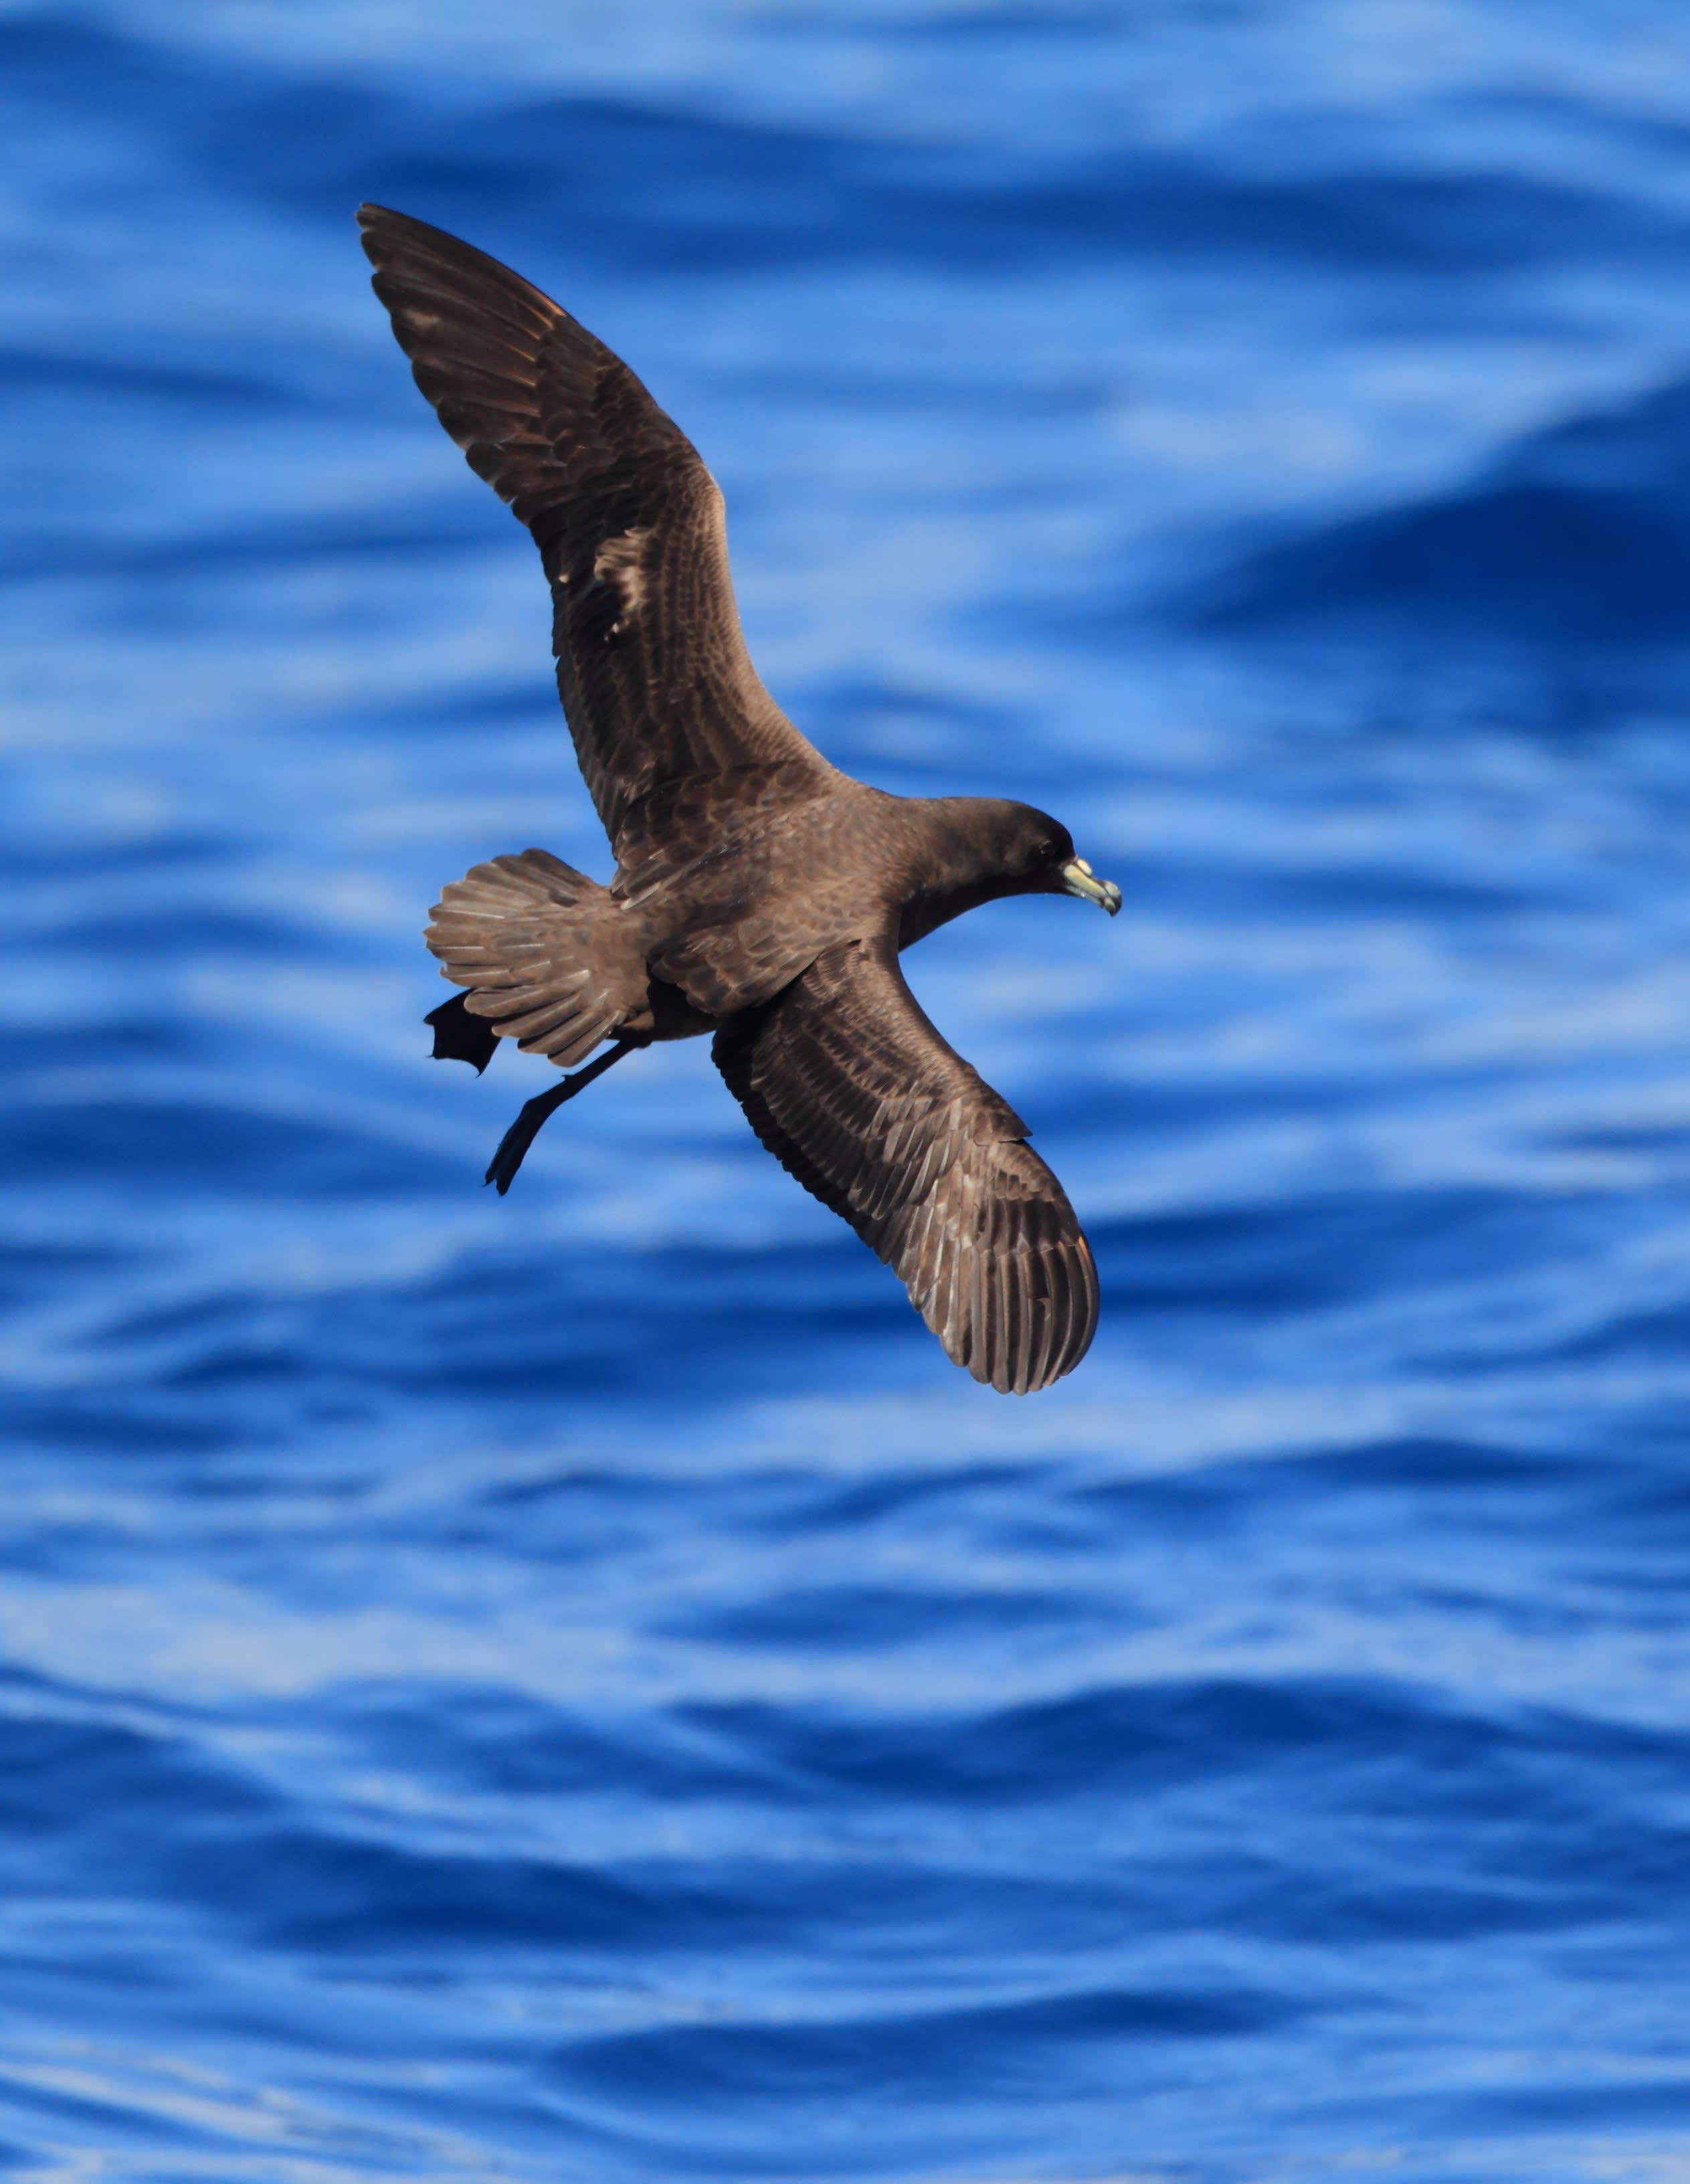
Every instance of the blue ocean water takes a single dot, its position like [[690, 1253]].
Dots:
[[576, 1687]]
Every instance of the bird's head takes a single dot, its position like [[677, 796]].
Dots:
[[966, 851], [1034, 854]]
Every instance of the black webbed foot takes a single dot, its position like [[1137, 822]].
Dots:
[[460, 1037]]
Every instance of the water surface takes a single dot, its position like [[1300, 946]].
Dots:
[[576, 1687]]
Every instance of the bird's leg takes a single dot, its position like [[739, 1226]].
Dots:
[[526, 1127]]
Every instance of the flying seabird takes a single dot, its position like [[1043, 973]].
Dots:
[[760, 894]]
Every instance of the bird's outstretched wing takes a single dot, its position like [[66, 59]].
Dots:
[[660, 693], [852, 1088]]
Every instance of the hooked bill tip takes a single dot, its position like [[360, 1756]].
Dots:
[[1079, 879]]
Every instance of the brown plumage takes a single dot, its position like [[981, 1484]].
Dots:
[[760, 892]]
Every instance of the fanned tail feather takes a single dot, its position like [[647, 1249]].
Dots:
[[534, 941]]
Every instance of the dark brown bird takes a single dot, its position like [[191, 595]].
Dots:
[[760, 894]]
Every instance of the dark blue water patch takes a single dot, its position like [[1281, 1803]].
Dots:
[[341, 1897], [588, 1319], [1363, 890], [154, 568], [1640, 447], [1580, 537], [840, 1618], [185, 1144], [795, 1503], [1417, 1465], [155, 936], [30, 1270], [69, 382], [29, 1049], [188, 1432], [934, 2057], [1525, 561], [1227, 882], [41, 855], [66, 1780], [80, 1424], [1101, 1744], [525, 1749], [1629, 1137], [1346, 1247]]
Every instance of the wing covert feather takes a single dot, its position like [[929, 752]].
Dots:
[[851, 1087]]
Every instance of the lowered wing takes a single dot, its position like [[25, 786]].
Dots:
[[854, 1092]]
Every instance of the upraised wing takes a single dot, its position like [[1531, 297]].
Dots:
[[852, 1088], [660, 694]]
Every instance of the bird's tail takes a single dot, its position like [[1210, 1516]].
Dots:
[[537, 946]]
